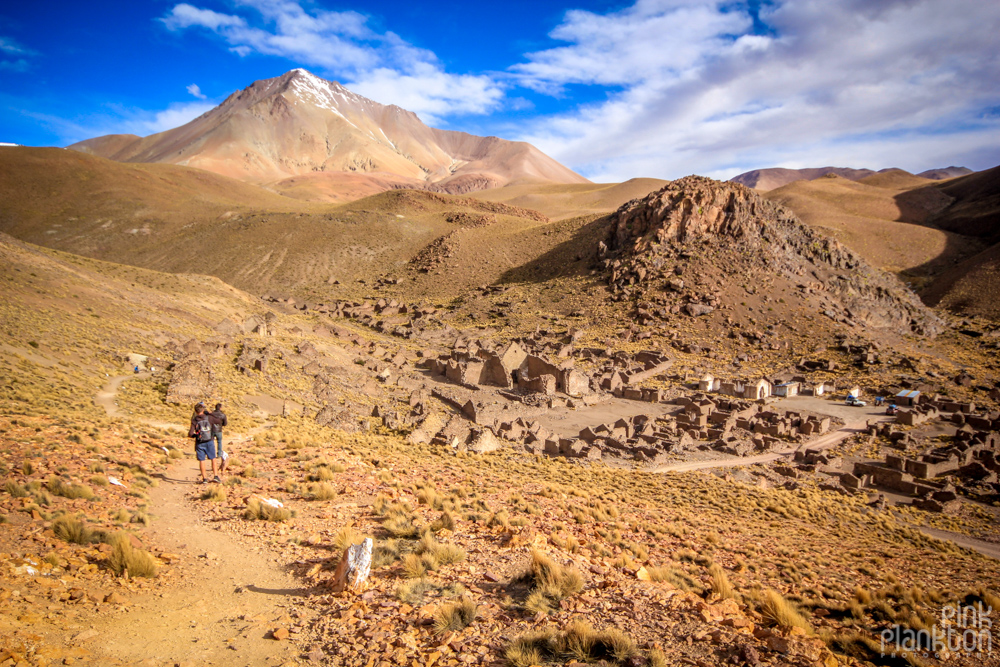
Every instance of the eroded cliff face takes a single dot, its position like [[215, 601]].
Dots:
[[698, 226]]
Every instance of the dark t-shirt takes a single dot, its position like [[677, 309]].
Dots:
[[221, 416]]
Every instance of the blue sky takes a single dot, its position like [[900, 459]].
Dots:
[[659, 88]]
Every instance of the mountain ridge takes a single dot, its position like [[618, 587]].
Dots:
[[299, 124]]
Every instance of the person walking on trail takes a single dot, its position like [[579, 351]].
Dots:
[[202, 423], [217, 434]]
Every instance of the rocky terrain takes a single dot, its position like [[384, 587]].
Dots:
[[616, 438]]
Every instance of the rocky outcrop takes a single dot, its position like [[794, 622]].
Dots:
[[738, 233]]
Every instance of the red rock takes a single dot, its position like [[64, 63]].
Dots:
[[280, 633]]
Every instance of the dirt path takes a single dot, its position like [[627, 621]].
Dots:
[[219, 604], [107, 396]]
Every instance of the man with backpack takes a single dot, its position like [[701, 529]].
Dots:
[[202, 425], [217, 434]]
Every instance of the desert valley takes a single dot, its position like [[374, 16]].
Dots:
[[485, 411]]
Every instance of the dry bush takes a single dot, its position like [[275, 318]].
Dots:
[[216, 493], [71, 491], [15, 489], [126, 558], [415, 566], [347, 537], [721, 586], [412, 591], [550, 582], [99, 480], [455, 615], [386, 552], [776, 610], [322, 491], [72, 530], [258, 511], [444, 554], [530, 648], [446, 522], [399, 522], [249, 472]]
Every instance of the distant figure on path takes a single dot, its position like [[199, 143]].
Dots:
[[137, 369], [202, 426], [217, 434]]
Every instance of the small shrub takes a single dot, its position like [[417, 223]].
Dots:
[[99, 480], [778, 611], [15, 489], [249, 472], [530, 648], [446, 522], [455, 615], [347, 537], [322, 491], [258, 511], [71, 491], [550, 582], [215, 493], [27, 468], [72, 530], [126, 558], [721, 586]]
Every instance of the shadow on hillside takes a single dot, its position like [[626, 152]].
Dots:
[[573, 257], [967, 229]]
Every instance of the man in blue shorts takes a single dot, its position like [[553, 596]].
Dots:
[[202, 424]]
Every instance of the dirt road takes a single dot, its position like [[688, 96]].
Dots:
[[107, 396]]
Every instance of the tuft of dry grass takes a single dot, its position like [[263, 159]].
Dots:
[[72, 530], [455, 615], [776, 610], [126, 558], [258, 511], [322, 491], [15, 489], [721, 587], [347, 537], [215, 493], [71, 491], [550, 582], [530, 648]]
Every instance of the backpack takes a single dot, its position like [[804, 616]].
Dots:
[[202, 428]]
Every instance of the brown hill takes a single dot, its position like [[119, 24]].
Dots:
[[883, 219], [183, 220], [298, 124], [559, 202], [699, 245], [775, 177]]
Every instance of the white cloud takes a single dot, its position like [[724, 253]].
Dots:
[[380, 65], [196, 91], [894, 83], [145, 122], [16, 53]]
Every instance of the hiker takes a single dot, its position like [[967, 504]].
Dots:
[[137, 370], [217, 434], [202, 423]]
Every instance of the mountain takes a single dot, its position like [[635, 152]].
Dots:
[[944, 172], [775, 177], [769, 179], [302, 133]]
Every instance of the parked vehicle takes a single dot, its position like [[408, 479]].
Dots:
[[855, 401], [891, 410]]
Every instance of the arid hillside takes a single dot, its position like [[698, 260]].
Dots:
[[934, 235], [300, 125]]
